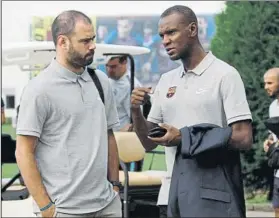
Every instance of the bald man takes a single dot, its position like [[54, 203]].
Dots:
[[271, 85]]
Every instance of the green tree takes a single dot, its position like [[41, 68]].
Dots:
[[247, 38]]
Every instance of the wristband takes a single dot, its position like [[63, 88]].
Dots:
[[117, 184], [46, 207]]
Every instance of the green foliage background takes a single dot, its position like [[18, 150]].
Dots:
[[247, 37]]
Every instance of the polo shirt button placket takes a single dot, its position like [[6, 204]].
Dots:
[[79, 82], [187, 77]]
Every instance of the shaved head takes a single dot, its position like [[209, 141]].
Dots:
[[273, 72], [271, 82]]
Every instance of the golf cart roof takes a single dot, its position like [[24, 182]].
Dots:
[[35, 55]]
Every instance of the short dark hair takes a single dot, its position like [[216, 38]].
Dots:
[[187, 13], [121, 58], [64, 23]]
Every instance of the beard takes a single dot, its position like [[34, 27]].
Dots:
[[78, 60], [275, 94]]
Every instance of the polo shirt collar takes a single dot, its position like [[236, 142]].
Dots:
[[126, 75], [67, 74], [202, 66]]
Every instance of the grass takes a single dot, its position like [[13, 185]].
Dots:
[[258, 197], [9, 170], [8, 129], [158, 162]]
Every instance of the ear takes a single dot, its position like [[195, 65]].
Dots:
[[124, 62], [193, 30], [63, 42]]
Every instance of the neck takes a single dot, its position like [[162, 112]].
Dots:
[[68, 66], [195, 56]]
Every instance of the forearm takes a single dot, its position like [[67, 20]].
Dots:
[[32, 178], [241, 138], [113, 158], [3, 118], [141, 127]]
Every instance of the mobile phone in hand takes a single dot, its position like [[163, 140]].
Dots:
[[157, 132]]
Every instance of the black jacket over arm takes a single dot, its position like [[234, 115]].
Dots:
[[206, 179], [273, 156]]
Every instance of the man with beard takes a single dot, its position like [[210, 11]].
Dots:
[[271, 85], [203, 89], [66, 150]]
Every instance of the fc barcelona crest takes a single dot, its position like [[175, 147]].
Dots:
[[171, 92]]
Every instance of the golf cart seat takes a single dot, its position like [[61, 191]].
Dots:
[[20, 193], [144, 178], [130, 149], [141, 186]]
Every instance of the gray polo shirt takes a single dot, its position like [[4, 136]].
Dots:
[[213, 93], [64, 110], [122, 94]]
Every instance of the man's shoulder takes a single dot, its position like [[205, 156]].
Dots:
[[37, 85], [104, 80], [101, 75], [170, 74], [224, 68]]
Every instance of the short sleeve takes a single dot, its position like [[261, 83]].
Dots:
[[234, 98], [34, 107], [111, 110]]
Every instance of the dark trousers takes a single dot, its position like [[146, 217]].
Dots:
[[163, 211], [8, 147]]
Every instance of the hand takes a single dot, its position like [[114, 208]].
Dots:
[[116, 188], [171, 138], [137, 97], [127, 128], [50, 212], [267, 143]]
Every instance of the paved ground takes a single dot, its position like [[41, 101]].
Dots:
[[23, 208], [259, 214]]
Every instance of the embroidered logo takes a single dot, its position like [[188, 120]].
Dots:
[[201, 91], [171, 91]]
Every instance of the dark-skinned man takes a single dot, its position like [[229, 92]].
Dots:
[[202, 90]]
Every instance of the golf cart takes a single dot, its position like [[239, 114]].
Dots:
[[140, 187]]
